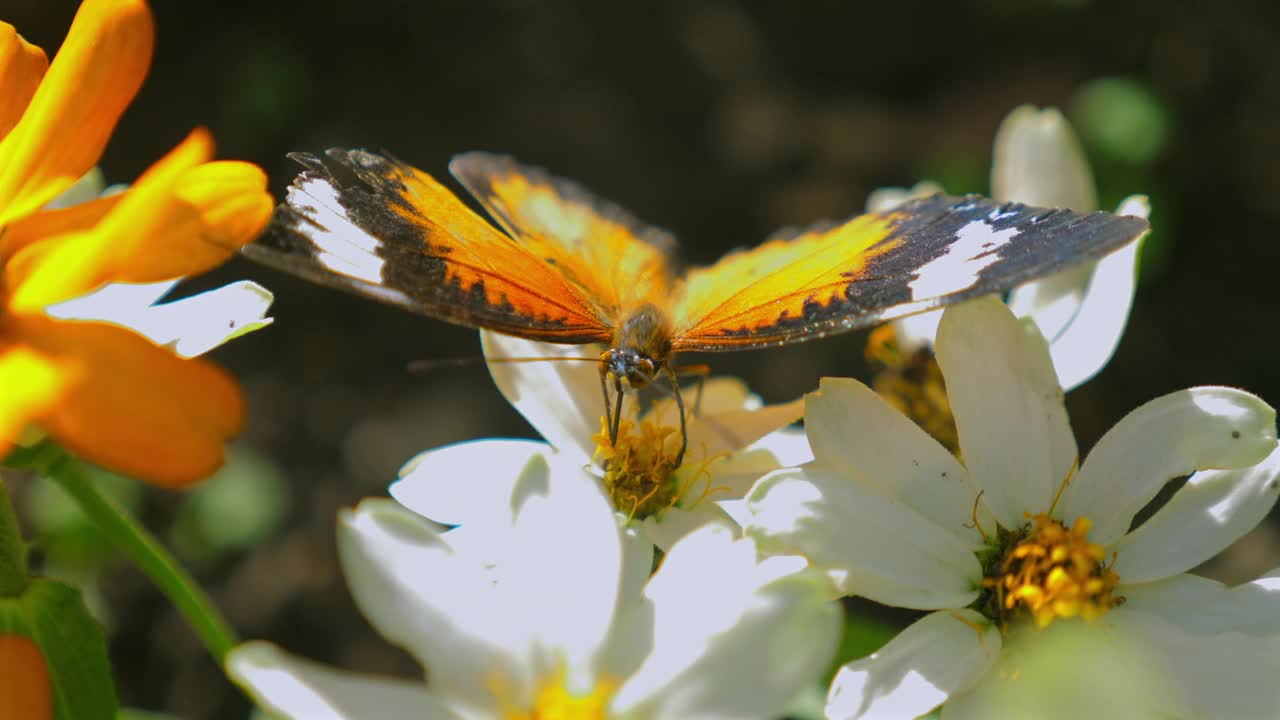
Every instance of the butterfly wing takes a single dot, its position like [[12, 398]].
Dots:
[[920, 255], [380, 228], [601, 247]]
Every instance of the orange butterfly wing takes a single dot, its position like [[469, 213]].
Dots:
[[923, 254], [613, 258], [378, 227]]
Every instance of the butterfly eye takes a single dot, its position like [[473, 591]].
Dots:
[[642, 372]]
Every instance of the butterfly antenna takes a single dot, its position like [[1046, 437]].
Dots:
[[434, 364]]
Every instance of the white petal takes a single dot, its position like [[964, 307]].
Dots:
[[560, 399], [199, 323], [637, 562], [1201, 605], [1037, 160], [1052, 303], [1069, 670], [871, 545], [1085, 346], [1198, 429], [290, 687], [890, 197], [677, 522], [1083, 311], [1013, 428], [852, 429], [441, 607], [917, 331], [789, 446], [562, 569], [1214, 509], [121, 303], [720, 394], [720, 614], [730, 431], [1256, 606], [191, 326], [733, 475], [465, 482], [1225, 675], [937, 656]]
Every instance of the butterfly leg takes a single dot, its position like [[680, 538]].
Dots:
[[703, 372], [684, 432], [614, 420], [608, 414]]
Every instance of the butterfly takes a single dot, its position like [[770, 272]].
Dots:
[[558, 264]]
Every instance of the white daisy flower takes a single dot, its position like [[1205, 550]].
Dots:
[[545, 612], [1037, 160], [191, 326], [733, 440], [1017, 541]]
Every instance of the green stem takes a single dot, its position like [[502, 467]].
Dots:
[[141, 547], [13, 551]]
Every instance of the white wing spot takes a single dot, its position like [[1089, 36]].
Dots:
[[340, 245], [974, 249], [997, 216]]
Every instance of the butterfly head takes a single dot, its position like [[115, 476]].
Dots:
[[641, 347], [630, 365]]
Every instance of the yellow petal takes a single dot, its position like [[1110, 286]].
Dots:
[[220, 207], [232, 200], [25, 690], [54, 269], [29, 385], [51, 224], [92, 79], [21, 67], [132, 406]]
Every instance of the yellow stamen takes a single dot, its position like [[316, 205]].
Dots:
[[554, 701], [640, 472], [913, 384], [1053, 572], [639, 468]]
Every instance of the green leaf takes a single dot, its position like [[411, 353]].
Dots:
[[75, 650], [1122, 119], [240, 506], [862, 636]]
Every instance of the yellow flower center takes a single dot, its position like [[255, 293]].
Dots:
[[913, 384], [639, 469], [1049, 571], [554, 701]]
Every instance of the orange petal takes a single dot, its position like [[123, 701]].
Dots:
[[92, 79], [21, 67], [60, 268], [29, 385], [25, 690], [132, 406]]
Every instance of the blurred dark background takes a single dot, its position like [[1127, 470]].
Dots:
[[718, 120]]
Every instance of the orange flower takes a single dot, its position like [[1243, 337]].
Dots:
[[25, 690], [109, 395]]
